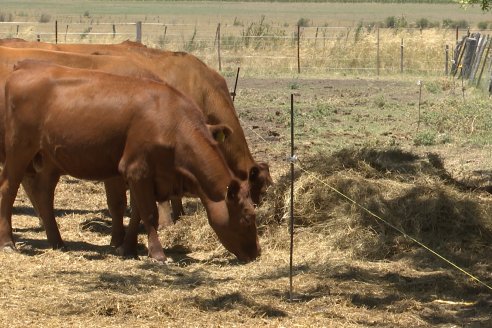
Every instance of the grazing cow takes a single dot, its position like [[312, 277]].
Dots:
[[191, 76], [115, 187], [94, 125]]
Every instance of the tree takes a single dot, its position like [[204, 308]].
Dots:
[[484, 4]]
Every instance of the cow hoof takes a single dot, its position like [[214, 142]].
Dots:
[[121, 251], [60, 247], [9, 247], [116, 242], [162, 261]]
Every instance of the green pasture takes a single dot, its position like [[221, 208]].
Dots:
[[201, 12]]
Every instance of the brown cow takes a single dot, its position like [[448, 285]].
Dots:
[[115, 187], [94, 125], [191, 76]]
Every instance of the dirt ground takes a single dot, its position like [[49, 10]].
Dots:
[[349, 269]]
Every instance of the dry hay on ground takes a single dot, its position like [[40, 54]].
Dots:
[[350, 270]]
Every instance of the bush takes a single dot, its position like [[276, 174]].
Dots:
[[86, 13], [395, 22], [4, 17], [303, 22], [482, 25], [425, 139], [449, 23], [44, 18]]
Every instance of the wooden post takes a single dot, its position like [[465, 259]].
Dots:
[[165, 32], [401, 56], [482, 42], [56, 31], [456, 34], [298, 49], [17, 30], [316, 36], [66, 32], [377, 54], [218, 47], [233, 94], [114, 30], [139, 31], [38, 38], [484, 62], [446, 62]]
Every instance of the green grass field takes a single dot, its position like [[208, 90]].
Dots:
[[333, 14]]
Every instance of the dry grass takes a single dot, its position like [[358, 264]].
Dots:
[[349, 269]]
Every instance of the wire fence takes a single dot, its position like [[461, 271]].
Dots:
[[262, 49]]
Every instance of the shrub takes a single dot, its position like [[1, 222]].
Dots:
[[482, 25], [395, 22], [4, 17], [303, 22], [449, 23], [86, 13], [425, 139], [44, 18]]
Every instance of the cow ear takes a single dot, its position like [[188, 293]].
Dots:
[[219, 132], [253, 173], [233, 190]]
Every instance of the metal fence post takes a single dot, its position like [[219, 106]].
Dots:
[[139, 31]]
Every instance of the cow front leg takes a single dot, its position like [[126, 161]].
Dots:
[[142, 195], [165, 217], [178, 209], [116, 200]]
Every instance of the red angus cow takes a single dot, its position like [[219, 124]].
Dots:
[[191, 76], [94, 125], [115, 187]]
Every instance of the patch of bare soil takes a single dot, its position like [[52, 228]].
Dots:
[[350, 268]]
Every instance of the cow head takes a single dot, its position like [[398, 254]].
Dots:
[[234, 222], [259, 180]]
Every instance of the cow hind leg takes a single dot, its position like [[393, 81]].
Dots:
[[10, 179], [42, 189], [116, 200]]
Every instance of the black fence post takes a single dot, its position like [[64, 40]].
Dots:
[[292, 158]]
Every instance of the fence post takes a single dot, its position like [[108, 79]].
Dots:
[[17, 30], [298, 49], [446, 64], [401, 56], [139, 31], [377, 54], [164, 38], [66, 32], [114, 30], [292, 158], [484, 62], [56, 31], [218, 47], [38, 38], [233, 94]]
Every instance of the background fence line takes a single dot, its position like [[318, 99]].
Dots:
[[270, 49]]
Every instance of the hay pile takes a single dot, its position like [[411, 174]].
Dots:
[[413, 193]]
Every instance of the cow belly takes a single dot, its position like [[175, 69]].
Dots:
[[91, 163]]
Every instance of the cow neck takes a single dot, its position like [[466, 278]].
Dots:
[[202, 158], [235, 147]]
